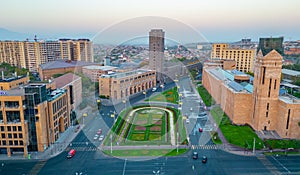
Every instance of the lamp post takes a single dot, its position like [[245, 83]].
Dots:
[[124, 101], [177, 140], [99, 103], [110, 144], [84, 115]]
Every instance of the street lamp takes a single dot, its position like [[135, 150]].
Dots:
[[99, 103], [124, 101], [84, 115]]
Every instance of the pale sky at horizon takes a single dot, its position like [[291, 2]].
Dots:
[[215, 19]]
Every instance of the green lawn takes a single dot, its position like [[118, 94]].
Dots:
[[170, 96], [283, 143], [242, 136], [145, 152], [146, 127], [206, 97]]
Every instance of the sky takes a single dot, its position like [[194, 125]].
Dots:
[[213, 20]]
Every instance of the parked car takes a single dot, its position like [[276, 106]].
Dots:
[[202, 114], [204, 159], [187, 121], [96, 137], [195, 155], [101, 137], [99, 132]]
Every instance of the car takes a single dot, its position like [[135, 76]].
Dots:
[[154, 89], [200, 130], [101, 137], [202, 114], [204, 159], [191, 109], [71, 153], [96, 137], [187, 121], [195, 155]]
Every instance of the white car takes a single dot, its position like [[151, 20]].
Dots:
[[96, 137], [154, 89], [187, 121], [101, 137]]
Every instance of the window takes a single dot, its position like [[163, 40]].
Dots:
[[21, 142], [288, 119], [9, 135], [3, 135], [15, 135], [2, 128], [14, 128], [20, 136], [15, 142], [4, 142], [9, 128], [10, 142]]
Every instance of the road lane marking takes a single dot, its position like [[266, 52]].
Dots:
[[124, 168], [281, 164]]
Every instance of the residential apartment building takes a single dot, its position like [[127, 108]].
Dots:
[[120, 86], [256, 102], [30, 54], [32, 116], [244, 57]]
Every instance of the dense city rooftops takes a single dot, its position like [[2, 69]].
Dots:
[[12, 78]]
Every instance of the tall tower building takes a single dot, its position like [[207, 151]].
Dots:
[[156, 52], [266, 85]]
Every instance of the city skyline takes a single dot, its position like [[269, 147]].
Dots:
[[216, 21]]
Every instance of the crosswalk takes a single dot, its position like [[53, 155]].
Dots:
[[194, 147], [84, 148]]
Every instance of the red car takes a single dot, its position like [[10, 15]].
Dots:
[[71, 153], [200, 129]]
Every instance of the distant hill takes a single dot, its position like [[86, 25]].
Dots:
[[11, 35]]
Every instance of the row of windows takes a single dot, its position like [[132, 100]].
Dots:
[[11, 128], [58, 105], [11, 142], [10, 135]]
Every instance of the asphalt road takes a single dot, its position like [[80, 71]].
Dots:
[[89, 160]]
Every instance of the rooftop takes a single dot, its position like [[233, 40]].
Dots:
[[56, 93], [228, 77], [64, 64], [12, 79], [103, 68], [290, 72], [65, 79], [125, 74]]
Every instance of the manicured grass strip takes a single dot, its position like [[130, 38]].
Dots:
[[242, 136], [277, 144], [170, 96], [206, 97], [145, 152]]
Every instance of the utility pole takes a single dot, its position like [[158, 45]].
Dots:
[[177, 141], [110, 144], [254, 146]]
